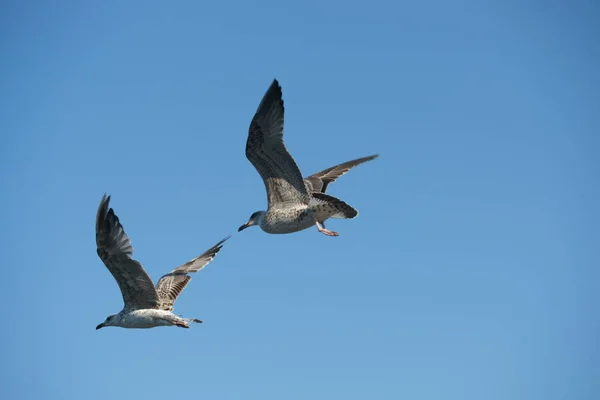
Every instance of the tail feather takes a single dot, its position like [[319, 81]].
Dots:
[[325, 206]]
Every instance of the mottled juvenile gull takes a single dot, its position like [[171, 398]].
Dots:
[[294, 203], [146, 306]]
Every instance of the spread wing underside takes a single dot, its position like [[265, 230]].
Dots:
[[115, 250], [318, 182], [170, 286], [267, 152]]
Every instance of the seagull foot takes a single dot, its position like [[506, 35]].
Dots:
[[325, 231], [181, 324], [329, 233]]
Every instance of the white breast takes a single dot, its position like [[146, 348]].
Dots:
[[146, 319]]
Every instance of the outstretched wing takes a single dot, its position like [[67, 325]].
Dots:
[[115, 250], [267, 152], [318, 182], [172, 284]]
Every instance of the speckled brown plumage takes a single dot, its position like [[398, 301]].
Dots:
[[170, 286], [116, 251], [318, 182], [292, 205]]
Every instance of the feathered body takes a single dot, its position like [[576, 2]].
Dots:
[[294, 203], [147, 318], [145, 305]]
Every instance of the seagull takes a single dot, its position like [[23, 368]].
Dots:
[[146, 306], [294, 203]]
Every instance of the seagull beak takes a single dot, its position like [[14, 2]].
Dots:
[[100, 326], [241, 228]]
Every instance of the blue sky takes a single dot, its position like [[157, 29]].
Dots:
[[470, 273]]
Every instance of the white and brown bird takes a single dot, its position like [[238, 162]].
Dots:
[[145, 305], [294, 203]]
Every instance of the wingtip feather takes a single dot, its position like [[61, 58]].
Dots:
[[102, 211]]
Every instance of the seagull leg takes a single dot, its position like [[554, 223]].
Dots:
[[321, 228], [181, 324]]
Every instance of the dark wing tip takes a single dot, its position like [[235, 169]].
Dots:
[[322, 179], [275, 85], [212, 252], [273, 95], [362, 160], [201, 261], [271, 107], [110, 234], [102, 212], [226, 238], [219, 245]]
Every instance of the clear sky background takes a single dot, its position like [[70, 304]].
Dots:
[[470, 273]]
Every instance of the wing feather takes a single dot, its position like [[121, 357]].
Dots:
[[318, 182], [115, 250], [267, 152], [170, 286]]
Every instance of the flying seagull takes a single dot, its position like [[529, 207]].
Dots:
[[146, 306], [294, 203]]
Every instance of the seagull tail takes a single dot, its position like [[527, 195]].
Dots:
[[325, 206]]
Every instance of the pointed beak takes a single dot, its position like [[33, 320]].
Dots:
[[241, 228], [100, 326]]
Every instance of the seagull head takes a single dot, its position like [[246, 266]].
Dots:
[[255, 219], [110, 321]]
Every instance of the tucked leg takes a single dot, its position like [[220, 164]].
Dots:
[[324, 231], [181, 324]]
